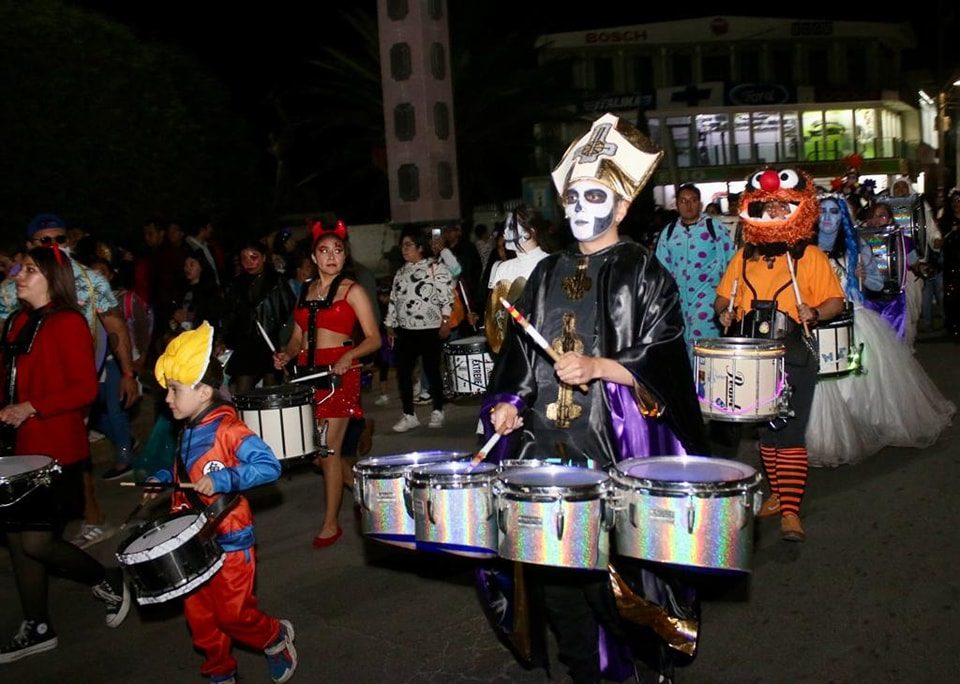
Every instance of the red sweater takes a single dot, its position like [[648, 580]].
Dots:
[[59, 378]]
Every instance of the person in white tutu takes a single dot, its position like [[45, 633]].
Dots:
[[886, 399]]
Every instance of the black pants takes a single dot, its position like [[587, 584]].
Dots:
[[424, 344], [802, 372]]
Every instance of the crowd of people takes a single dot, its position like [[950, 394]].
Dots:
[[624, 321]]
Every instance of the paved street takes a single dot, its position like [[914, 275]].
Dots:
[[871, 596]]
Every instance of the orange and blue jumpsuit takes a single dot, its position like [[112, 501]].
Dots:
[[224, 609]]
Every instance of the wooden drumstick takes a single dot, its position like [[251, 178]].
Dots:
[[535, 335], [321, 374], [733, 296], [484, 450], [159, 485], [796, 289]]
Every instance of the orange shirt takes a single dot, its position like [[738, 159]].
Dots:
[[815, 277]]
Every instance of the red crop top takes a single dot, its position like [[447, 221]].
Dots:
[[338, 317]]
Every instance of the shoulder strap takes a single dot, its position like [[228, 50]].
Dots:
[[713, 233]]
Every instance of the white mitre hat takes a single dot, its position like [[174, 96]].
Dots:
[[612, 152]]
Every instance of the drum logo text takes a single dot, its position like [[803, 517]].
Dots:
[[661, 515], [734, 380], [530, 521]]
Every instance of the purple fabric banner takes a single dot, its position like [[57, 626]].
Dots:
[[636, 434]]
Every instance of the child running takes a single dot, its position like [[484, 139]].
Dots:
[[221, 455]]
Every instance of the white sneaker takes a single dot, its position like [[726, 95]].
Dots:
[[382, 400], [436, 419], [416, 388], [407, 422], [95, 436], [93, 534]]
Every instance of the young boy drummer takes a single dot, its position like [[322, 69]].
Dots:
[[220, 455]]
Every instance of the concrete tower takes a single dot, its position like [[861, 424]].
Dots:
[[418, 111]]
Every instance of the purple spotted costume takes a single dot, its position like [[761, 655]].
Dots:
[[697, 261]]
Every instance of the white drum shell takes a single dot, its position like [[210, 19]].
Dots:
[[739, 380], [285, 423], [834, 342], [466, 366], [687, 519]]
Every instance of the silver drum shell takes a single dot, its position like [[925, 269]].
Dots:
[[453, 508], [687, 520], [379, 488]]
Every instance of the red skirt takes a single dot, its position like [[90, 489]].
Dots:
[[345, 402]]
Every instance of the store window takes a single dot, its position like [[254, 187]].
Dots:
[[678, 128], [766, 136], [603, 74], [715, 63], [748, 60], [681, 64], [818, 66], [713, 139], [812, 127], [742, 147], [839, 133], [781, 65], [865, 121], [790, 136], [643, 72]]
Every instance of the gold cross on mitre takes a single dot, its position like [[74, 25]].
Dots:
[[613, 152]]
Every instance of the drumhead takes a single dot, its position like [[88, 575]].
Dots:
[[456, 472], [749, 346], [474, 343], [13, 466], [689, 469], [159, 533], [274, 397], [553, 476], [396, 464]]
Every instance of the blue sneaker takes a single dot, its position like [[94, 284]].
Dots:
[[224, 679], [282, 656]]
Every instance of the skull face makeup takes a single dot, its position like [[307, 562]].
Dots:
[[514, 234], [589, 207], [829, 224]]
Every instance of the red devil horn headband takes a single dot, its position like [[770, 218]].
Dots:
[[319, 231]]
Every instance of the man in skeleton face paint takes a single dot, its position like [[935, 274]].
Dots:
[[612, 313]]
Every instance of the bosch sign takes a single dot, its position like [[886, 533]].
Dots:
[[595, 37]]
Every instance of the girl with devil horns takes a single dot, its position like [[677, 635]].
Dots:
[[329, 309]]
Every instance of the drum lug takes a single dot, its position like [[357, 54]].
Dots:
[[747, 501], [633, 515], [560, 519], [691, 514], [608, 514], [408, 499], [502, 519], [430, 507], [359, 487]]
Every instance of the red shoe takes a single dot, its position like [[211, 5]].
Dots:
[[323, 542]]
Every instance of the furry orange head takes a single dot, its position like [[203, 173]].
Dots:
[[779, 205]]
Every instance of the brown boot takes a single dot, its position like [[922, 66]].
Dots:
[[770, 507], [791, 529]]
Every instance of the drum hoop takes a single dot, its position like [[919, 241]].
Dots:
[[420, 479], [49, 465], [514, 490], [739, 343], [475, 342], [250, 402], [740, 353], [623, 480], [184, 588], [166, 547], [368, 468]]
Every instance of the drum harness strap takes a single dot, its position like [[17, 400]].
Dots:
[[220, 506], [313, 306], [747, 255], [21, 345]]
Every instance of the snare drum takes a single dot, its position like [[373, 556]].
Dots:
[[170, 557], [554, 515], [466, 366], [739, 379], [453, 508], [20, 475], [283, 417], [835, 341], [686, 510], [379, 488]]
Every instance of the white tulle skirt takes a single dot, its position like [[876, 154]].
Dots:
[[894, 403]]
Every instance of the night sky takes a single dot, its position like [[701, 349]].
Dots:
[[263, 47]]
